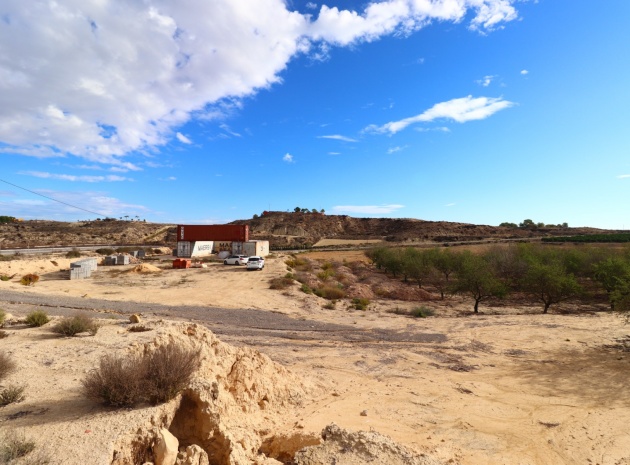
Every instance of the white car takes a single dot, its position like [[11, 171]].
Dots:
[[236, 260], [255, 263]]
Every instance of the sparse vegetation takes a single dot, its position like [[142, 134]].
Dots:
[[3, 334], [281, 283], [105, 251], [6, 277], [14, 447], [74, 253], [29, 279], [71, 326], [330, 292], [360, 304], [37, 318], [11, 395], [306, 289], [3, 316], [138, 329], [155, 377], [421, 312]]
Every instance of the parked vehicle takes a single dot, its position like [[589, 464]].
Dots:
[[255, 263], [236, 260]]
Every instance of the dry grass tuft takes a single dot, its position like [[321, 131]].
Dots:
[[37, 318], [74, 325], [7, 366], [12, 394]]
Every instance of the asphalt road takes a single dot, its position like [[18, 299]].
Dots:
[[237, 323]]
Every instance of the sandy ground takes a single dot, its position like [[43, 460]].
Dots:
[[504, 388]]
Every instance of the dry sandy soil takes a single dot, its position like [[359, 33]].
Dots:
[[510, 386]]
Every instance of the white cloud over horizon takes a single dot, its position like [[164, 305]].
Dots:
[[99, 79], [460, 110], [367, 209]]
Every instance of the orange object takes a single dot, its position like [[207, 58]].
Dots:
[[181, 263]]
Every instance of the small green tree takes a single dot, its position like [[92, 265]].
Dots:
[[476, 278], [550, 283], [613, 274]]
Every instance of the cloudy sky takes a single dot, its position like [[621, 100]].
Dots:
[[205, 111]]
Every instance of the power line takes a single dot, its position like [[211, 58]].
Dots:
[[55, 200]]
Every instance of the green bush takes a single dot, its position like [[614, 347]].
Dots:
[[37, 318], [421, 312], [360, 304], [326, 274], [71, 326], [306, 289], [74, 253], [6, 277], [11, 395]]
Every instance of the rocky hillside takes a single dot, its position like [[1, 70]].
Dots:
[[279, 228], [297, 229], [56, 233]]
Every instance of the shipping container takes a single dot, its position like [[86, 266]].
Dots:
[[251, 248], [213, 232], [223, 246], [183, 249]]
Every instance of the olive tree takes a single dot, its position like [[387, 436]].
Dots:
[[476, 278]]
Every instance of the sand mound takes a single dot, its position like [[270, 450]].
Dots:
[[145, 268], [343, 447]]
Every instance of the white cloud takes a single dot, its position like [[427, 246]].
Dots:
[[334, 153], [450, 204], [623, 176], [182, 138], [486, 81], [227, 129], [460, 110], [367, 209], [73, 178], [288, 158], [338, 137], [311, 5], [395, 149], [101, 79], [524, 72]]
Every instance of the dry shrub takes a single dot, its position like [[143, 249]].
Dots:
[[7, 366], [74, 253], [169, 369], [76, 324], [360, 304], [6, 277], [29, 279], [155, 377], [330, 292], [138, 329], [37, 318], [117, 381], [11, 395], [3, 316], [280, 283]]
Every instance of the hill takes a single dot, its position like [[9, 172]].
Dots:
[[297, 229], [36, 233], [281, 229]]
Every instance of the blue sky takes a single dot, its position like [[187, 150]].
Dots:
[[477, 111]]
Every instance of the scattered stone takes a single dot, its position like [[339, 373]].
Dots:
[[364, 413], [135, 318]]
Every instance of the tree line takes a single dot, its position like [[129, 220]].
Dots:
[[548, 275]]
